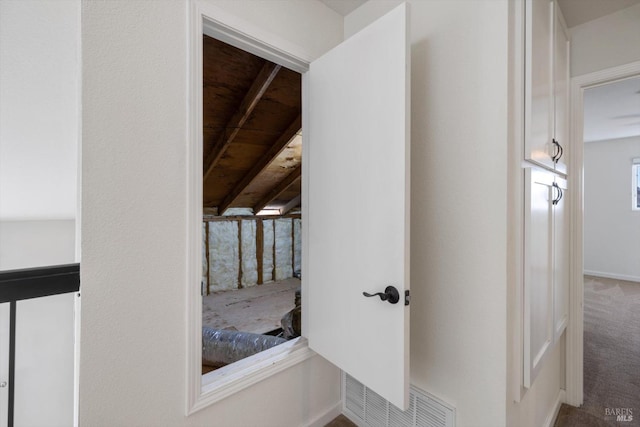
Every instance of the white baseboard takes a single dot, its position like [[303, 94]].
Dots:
[[551, 418], [324, 419], [612, 276]]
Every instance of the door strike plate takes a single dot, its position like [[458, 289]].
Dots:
[[407, 297]]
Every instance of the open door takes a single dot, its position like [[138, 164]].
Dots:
[[358, 206]]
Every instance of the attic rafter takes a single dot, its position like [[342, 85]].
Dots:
[[291, 204], [268, 157], [257, 89], [278, 189]]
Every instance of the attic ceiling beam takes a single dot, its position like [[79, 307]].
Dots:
[[209, 211], [291, 204], [257, 89], [281, 143], [278, 189]]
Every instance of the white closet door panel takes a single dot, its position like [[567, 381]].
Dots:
[[561, 258], [538, 283], [561, 89], [538, 82], [358, 205]]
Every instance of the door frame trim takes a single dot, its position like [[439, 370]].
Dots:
[[575, 328], [202, 391]]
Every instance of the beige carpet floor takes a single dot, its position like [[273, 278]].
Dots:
[[611, 356]]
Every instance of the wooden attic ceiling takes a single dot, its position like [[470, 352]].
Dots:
[[252, 145]]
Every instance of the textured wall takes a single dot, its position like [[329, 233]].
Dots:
[[39, 109], [611, 227], [459, 61], [39, 124], [45, 326], [606, 42], [134, 170], [25, 244]]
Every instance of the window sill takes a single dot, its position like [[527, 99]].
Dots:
[[223, 382]]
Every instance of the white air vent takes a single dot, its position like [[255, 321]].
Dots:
[[367, 409]]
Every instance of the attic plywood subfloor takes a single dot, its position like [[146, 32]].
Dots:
[[257, 309]]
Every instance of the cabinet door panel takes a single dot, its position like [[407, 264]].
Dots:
[[538, 82], [561, 87], [538, 280], [561, 260]]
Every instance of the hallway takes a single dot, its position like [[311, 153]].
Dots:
[[611, 355]]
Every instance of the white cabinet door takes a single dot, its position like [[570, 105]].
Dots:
[[358, 206], [560, 91], [560, 258], [538, 82], [538, 278], [546, 267]]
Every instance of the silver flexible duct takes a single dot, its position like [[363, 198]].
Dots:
[[223, 347]]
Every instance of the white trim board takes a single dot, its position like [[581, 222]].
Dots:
[[614, 276], [219, 24], [515, 185], [575, 328], [551, 417], [327, 416]]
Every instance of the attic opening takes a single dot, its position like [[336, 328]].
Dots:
[[252, 219]]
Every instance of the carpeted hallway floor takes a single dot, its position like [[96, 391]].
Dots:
[[611, 355]]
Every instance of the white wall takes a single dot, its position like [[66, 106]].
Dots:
[[39, 109], [606, 42], [458, 243], [135, 92], [539, 402], [44, 361], [307, 23], [44, 326], [611, 228], [39, 123], [134, 225], [25, 244]]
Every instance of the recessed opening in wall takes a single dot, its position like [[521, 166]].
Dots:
[[251, 230]]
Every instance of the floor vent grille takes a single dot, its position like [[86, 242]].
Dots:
[[368, 409]]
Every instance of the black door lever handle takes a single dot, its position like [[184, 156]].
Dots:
[[390, 294]]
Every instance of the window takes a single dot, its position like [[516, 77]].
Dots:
[[635, 185], [204, 390], [252, 193], [344, 106]]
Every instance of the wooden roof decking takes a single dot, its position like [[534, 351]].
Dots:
[[252, 145]]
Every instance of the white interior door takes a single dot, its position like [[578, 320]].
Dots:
[[358, 206]]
